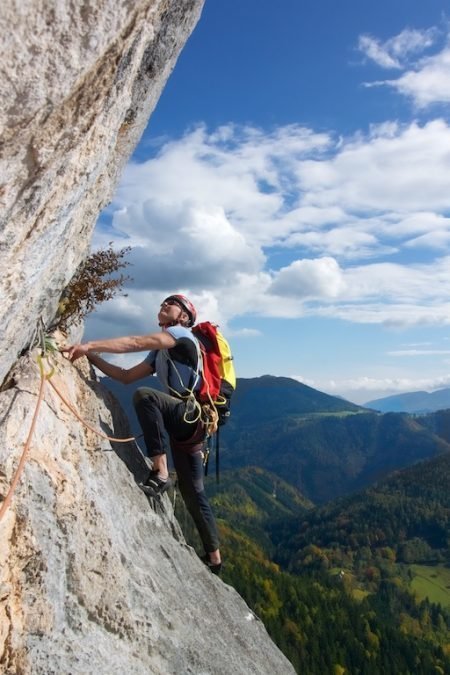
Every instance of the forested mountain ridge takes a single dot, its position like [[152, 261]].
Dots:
[[438, 423], [330, 455], [405, 518], [273, 397]]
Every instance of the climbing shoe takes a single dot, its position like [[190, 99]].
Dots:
[[215, 568], [154, 486]]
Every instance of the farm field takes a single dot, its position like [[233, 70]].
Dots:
[[432, 582]]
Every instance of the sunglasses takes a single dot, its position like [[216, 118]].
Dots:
[[172, 302]]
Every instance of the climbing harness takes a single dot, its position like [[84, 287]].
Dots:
[[195, 411]]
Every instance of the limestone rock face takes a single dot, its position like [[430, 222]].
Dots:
[[94, 577], [78, 82]]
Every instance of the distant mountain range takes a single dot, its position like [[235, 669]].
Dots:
[[322, 445], [412, 402]]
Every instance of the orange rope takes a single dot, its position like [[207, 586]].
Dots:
[[19, 470], [46, 378], [88, 426]]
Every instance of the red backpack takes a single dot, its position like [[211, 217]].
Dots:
[[219, 378]]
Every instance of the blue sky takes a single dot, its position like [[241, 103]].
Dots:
[[294, 181]]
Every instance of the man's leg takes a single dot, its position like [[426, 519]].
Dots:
[[189, 468], [157, 412]]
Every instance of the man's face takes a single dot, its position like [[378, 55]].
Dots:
[[170, 312]]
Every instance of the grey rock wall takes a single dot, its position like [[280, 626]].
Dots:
[[78, 82], [94, 578]]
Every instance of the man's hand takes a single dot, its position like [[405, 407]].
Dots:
[[74, 352]]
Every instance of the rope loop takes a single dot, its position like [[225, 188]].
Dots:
[[45, 377]]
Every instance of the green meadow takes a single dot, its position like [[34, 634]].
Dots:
[[432, 582]]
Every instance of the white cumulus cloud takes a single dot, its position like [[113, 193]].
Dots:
[[429, 83], [321, 278], [288, 223]]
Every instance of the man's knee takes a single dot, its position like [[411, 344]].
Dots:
[[142, 394], [198, 485]]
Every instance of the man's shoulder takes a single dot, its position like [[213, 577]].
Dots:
[[180, 332]]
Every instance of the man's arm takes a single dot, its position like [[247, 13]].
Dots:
[[124, 375], [122, 345]]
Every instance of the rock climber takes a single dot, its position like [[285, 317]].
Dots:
[[175, 357]]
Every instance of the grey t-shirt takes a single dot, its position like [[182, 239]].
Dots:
[[178, 368]]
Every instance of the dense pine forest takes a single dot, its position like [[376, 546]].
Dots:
[[335, 585], [406, 519]]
